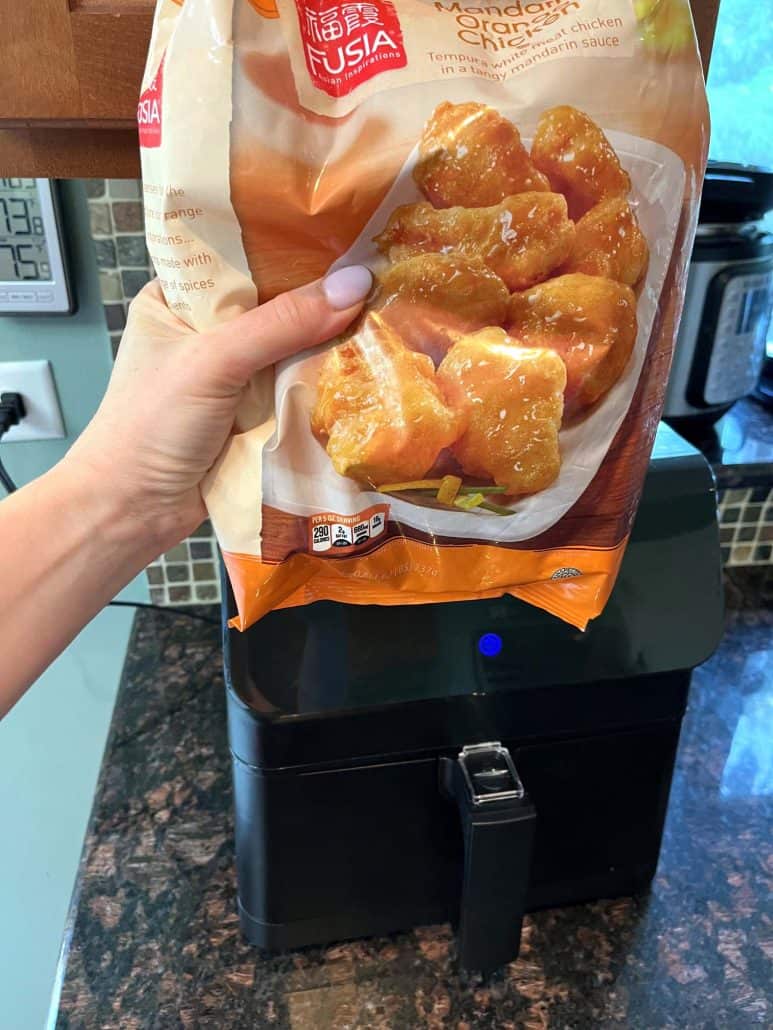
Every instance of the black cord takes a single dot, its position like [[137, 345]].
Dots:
[[165, 608], [5, 479], [11, 412]]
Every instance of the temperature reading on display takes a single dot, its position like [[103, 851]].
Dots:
[[23, 248]]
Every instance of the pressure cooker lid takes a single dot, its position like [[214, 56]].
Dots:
[[734, 193]]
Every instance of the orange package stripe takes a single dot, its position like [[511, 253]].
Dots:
[[405, 571]]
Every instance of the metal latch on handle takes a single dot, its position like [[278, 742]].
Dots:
[[498, 822]]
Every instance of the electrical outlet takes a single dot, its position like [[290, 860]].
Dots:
[[34, 380]]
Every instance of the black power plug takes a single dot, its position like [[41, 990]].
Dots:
[[12, 411]]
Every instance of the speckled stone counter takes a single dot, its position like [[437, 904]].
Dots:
[[154, 940]]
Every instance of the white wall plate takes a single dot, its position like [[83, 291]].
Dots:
[[34, 380]]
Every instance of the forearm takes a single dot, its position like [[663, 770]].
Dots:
[[67, 548], [129, 487]]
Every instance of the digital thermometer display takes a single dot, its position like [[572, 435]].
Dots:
[[23, 248], [33, 270]]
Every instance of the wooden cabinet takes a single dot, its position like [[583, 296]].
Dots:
[[69, 80], [70, 72]]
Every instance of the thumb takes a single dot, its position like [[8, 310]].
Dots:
[[294, 321]]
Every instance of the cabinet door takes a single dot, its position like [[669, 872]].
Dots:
[[70, 74], [79, 61]]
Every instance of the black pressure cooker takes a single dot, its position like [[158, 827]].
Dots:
[[721, 344]]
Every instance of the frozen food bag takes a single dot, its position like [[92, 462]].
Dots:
[[522, 179]]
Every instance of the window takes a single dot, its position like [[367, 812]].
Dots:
[[740, 85]]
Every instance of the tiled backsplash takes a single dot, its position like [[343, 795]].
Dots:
[[118, 231], [746, 525], [188, 574]]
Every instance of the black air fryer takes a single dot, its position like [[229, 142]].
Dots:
[[398, 766]]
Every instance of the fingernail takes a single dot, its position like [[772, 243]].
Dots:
[[347, 286]]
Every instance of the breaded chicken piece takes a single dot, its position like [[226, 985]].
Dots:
[[578, 159], [512, 399], [379, 410], [470, 155], [522, 240], [609, 242], [589, 321], [431, 299]]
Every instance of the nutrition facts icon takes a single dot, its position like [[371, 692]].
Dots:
[[320, 538], [342, 535], [361, 532]]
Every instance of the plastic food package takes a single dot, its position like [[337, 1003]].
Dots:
[[522, 179]]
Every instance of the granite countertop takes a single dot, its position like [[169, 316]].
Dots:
[[154, 940]]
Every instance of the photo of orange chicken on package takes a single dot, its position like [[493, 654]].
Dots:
[[515, 286]]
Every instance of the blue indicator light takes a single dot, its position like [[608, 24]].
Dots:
[[490, 644]]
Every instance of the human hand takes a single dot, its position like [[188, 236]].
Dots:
[[173, 394]]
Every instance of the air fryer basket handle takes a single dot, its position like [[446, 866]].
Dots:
[[498, 821]]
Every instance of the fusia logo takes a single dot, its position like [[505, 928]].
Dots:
[[345, 44], [149, 111]]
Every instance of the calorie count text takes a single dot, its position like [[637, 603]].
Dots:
[[17, 219]]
